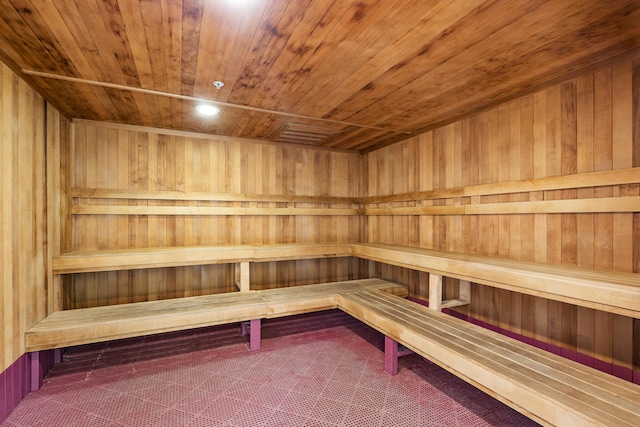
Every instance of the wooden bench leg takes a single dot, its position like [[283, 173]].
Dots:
[[254, 336], [242, 276], [392, 352], [35, 366], [57, 355], [253, 329], [390, 356], [37, 362], [435, 292]]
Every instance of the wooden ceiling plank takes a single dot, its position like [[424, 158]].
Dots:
[[464, 71], [453, 47], [229, 42], [62, 39], [377, 65], [181, 49], [450, 32], [215, 36], [98, 32], [352, 45], [117, 41], [152, 39], [133, 21], [521, 82], [143, 107], [30, 47], [76, 24], [307, 34], [269, 38], [391, 53], [238, 126], [320, 49]]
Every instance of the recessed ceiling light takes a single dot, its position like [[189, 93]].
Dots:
[[207, 109]]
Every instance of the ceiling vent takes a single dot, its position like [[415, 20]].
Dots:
[[303, 134]]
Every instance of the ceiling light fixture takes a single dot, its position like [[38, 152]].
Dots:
[[218, 84], [207, 109]]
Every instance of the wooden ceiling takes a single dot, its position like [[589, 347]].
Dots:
[[353, 75]]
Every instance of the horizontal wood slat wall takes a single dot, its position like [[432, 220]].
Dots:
[[551, 177], [22, 214], [146, 188], [471, 200]]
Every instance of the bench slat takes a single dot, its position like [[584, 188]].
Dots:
[[502, 346], [303, 299], [543, 391]]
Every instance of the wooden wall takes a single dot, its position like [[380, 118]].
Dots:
[[135, 188], [588, 124], [22, 213]]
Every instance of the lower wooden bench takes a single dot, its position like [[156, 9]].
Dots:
[[89, 325], [547, 388], [309, 298]]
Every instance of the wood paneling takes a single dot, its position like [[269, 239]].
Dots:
[[369, 72], [490, 164], [22, 213], [138, 188]]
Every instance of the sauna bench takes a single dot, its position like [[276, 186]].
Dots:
[[96, 324], [614, 292], [545, 387], [130, 259]]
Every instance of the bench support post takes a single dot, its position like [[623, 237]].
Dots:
[[57, 355], [435, 291], [255, 335], [390, 356], [35, 366], [392, 352], [465, 290], [242, 276], [254, 332]]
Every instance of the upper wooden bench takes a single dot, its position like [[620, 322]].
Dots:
[[603, 290], [547, 388], [131, 259]]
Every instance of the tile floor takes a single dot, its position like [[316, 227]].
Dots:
[[320, 369]]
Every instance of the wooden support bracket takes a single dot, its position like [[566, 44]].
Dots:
[[242, 276], [435, 291], [435, 294]]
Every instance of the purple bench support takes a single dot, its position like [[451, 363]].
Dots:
[[39, 364], [254, 331], [391, 355], [57, 355], [35, 366]]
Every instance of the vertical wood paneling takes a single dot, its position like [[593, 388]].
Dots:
[[144, 160], [635, 138], [23, 254], [586, 124]]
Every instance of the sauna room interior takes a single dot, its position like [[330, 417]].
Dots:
[[481, 158]]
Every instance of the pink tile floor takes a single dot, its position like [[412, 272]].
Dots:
[[320, 369]]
